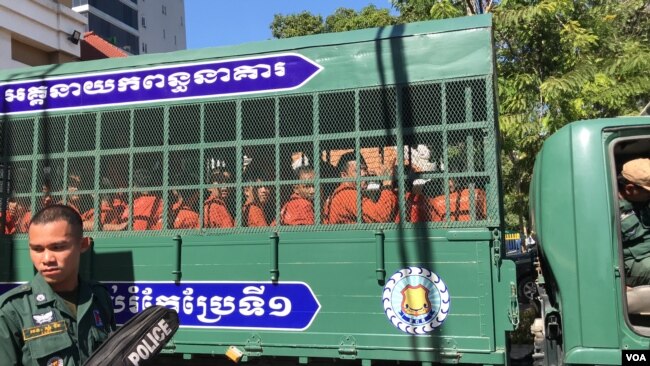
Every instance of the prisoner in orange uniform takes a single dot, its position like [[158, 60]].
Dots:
[[341, 206], [460, 204], [181, 215], [147, 207], [215, 209], [257, 198], [299, 210], [9, 223]]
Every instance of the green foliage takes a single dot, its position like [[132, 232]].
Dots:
[[558, 61], [414, 10], [345, 19], [445, 9], [294, 25]]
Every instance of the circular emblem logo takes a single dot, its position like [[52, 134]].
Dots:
[[416, 300], [55, 361]]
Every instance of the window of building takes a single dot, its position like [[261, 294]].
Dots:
[[144, 47], [118, 10], [115, 35], [164, 34], [144, 23], [174, 40], [164, 10]]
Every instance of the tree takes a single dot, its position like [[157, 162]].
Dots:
[[560, 61], [343, 19], [294, 25], [416, 10]]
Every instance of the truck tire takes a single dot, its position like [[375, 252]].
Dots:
[[527, 289]]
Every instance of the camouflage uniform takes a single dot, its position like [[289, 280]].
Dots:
[[38, 328], [635, 232]]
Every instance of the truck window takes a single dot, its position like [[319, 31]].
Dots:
[[632, 160]]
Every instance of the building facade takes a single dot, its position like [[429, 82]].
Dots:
[[137, 26], [162, 25], [39, 32]]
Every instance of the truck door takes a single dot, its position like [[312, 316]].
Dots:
[[629, 154]]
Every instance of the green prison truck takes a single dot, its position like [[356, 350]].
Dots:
[[331, 198]]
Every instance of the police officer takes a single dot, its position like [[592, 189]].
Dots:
[[57, 318], [634, 192]]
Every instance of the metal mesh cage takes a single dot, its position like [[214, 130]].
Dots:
[[408, 154]]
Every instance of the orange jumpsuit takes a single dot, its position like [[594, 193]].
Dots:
[[416, 208], [147, 213], [253, 215], [186, 218], [297, 211], [85, 215], [459, 206], [112, 213], [10, 223], [215, 213], [22, 225], [341, 207]]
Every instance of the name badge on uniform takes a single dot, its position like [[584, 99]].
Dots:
[[98, 319], [44, 330]]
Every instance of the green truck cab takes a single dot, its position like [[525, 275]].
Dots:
[[575, 211]]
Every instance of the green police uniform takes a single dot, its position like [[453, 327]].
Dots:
[[38, 328], [635, 232]]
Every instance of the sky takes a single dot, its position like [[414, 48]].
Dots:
[[211, 23]]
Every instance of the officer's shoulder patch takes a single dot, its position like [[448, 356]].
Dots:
[[22, 290], [55, 361]]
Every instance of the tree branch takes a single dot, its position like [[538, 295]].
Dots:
[[470, 7], [488, 6]]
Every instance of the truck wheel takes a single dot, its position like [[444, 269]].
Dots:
[[527, 289]]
